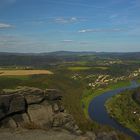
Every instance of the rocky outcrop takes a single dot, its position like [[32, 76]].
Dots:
[[11, 104], [107, 136], [39, 110], [40, 135], [34, 108]]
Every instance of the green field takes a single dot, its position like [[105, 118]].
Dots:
[[78, 68], [101, 68], [84, 68], [138, 80]]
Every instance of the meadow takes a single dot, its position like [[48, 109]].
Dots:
[[80, 68]]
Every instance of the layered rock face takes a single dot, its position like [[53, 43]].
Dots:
[[39, 110], [34, 108]]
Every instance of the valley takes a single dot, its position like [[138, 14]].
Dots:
[[80, 78]]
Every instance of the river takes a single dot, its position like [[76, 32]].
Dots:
[[98, 113]]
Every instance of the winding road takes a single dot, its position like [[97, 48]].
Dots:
[[98, 113]]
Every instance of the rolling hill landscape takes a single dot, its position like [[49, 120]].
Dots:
[[80, 77]]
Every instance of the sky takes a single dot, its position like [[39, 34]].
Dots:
[[35, 26]]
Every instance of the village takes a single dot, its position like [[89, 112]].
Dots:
[[104, 79]]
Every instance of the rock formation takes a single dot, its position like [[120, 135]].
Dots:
[[36, 109]]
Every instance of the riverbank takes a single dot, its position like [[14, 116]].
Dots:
[[89, 95], [125, 110], [100, 115]]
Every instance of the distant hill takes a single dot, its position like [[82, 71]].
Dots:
[[66, 53], [53, 58]]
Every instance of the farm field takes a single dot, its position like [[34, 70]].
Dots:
[[23, 72], [80, 68]]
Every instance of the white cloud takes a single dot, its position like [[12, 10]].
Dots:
[[85, 30], [73, 19], [68, 20], [99, 30], [5, 26], [67, 41], [62, 20]]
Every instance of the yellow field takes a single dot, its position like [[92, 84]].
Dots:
[[23, 72]]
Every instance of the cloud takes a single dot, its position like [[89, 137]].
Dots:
[[67, 41], [99, 30], [5, 26], [64, 20], [84, 43], [18, 42]]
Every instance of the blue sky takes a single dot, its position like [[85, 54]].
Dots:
[[70, 25]]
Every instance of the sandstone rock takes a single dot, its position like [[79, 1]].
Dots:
[[66, 121], [61, 108], [26, 118], [17, 104], [11, 104], [83, 138], [8, 123], [55, 107], [39, 135], [41, 115], [35, 108], [26, 105], [91, 135], [21, 119], [34, 95], [107, 136], [53, 94]]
